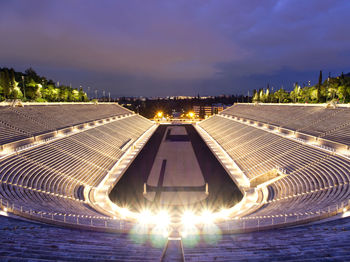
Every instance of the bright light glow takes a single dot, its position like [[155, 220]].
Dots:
[[207, 217], [189, 231], [225, 213], [189, 218], [165, 233], [145, 217], [3, 213], [346, 214], [191, 114], [162, 218], [124, 212], [160, 114]]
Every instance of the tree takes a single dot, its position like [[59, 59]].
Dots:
[[16, 93], [2, 82], [33, 90], [63, 94], [313, 94], [295, 94], [82, 95], [332, 91], [342, 93], [32, 75], [255, 96], [319, 87], [6, 85], [281, 95]]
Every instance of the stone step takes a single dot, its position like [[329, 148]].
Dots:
[[173, 251]]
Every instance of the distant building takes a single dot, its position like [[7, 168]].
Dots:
[[217, 108], [206, 111]]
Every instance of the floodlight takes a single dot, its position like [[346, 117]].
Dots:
[[162, 218]]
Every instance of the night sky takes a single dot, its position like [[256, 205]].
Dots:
[[176, 47]]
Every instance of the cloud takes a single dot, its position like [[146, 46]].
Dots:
[[161, 44]]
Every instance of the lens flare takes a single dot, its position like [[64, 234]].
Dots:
[[145, 217], [189, 218], [207, 217], [162, 218]]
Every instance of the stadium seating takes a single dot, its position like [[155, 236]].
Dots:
[[328, 123], [315, 179], [50, 178], [22, 122], [25, 241], [318, 242]]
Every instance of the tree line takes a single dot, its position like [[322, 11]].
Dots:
[[335, 89], [29, 86]]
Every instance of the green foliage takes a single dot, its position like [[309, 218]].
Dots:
[[32, 87], [333, 89], [281, 95]]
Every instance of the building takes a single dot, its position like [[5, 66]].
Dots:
[[206, 111]]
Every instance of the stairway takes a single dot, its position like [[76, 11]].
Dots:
[[173, 251]]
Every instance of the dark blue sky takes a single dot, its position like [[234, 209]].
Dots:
[[176, 47]]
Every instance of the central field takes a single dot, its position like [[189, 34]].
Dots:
[[176, 177], [172, 170]]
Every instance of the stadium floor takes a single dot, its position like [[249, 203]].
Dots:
[[172, 144]]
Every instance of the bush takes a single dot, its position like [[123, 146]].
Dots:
[[40, 100]]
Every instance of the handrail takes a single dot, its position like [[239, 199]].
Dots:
[[230, 225]]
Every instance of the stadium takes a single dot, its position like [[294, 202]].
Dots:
[[174, 130], [85, 181]]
